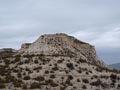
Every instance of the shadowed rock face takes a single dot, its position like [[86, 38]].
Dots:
[[62, 45]]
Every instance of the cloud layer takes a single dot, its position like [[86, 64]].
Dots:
[[93, 21]]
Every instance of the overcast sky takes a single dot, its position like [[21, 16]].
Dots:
[[93, 21]]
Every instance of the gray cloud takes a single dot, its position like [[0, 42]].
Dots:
[[106, 39], [93, 21]]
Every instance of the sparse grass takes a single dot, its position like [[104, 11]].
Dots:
[[55, 68], [52, 76], [19, 75]]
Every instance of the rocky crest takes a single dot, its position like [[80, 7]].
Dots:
[[56, 62]]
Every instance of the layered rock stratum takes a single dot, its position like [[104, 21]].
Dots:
[[56, 62]]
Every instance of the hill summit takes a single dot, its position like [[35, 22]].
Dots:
[[56, 62]]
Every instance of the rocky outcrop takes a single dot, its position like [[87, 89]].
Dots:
[[62, 45], [24, 47]]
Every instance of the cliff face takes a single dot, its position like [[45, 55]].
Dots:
[[56, 62]]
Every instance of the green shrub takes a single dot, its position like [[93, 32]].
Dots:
[[35, 85], [95, 76], [84, 87], [17, 83], [15, 71], [60, 61], [68, 82], [78, 80], [113, 76], [99, 69], [2, 80], [105, 77], [62, 77], [82, 61], [118, 87], [7, 62], [112, 84], [87, 73], [27, 69], [9, 78], [2, 86], [20, 63], [39, 78], [26, 78], [46, 72], [36, 61], [52, 76], [70, 66], [27, 61], [85, 80], [79, 71], [19, 75], [96, 83], [24, 87], [17, 58], [38, 68], [53, 84], [70, 77]]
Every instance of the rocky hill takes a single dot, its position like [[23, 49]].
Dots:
[[56, 62]]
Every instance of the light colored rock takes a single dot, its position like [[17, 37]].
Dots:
[[63, 45]]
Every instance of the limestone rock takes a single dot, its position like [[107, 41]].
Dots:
[[62, 45]]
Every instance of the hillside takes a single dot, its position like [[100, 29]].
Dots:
[[116, 66], [56, 62]]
